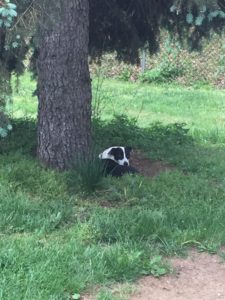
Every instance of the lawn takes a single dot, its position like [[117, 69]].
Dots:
[[203, 110], [58, 239]]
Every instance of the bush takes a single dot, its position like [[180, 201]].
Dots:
[[116, 131], [176, 133], [157, 136], [163, 73]]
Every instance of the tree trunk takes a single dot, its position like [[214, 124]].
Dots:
[[5, 87], [64, 86]]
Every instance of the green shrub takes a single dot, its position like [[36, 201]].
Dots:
[[121, 129], [125, 74], [163, 73], [173, 134]]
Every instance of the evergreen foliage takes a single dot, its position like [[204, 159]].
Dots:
[[126, 26], [14, 44], [121, 26]]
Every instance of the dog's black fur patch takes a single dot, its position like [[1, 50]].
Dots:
[[114, 169]]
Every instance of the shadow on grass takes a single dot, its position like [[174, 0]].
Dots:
[[34, 198], [171, 143], [22, 138], [105, 244]]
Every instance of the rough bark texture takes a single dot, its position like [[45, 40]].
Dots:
[[64, 86], [5, 88]]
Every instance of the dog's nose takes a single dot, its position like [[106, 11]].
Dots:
[[125, 163]]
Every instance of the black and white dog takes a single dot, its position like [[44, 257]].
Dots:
[[116, 161]]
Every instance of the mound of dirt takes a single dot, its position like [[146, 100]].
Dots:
[[146, 167]]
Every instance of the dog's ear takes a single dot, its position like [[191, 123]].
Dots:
[[112, 151]]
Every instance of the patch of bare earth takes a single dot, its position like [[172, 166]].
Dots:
[[201, 276], [146, 167]]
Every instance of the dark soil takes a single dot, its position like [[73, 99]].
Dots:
[[146, 167]]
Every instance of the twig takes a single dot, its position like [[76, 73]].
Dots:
[[23, 14]]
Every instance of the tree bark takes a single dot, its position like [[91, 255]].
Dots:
[[64, 86], [5, 87]]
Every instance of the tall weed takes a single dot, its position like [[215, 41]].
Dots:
[[87, 172]]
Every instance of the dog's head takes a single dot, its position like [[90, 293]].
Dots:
[[118, 154]]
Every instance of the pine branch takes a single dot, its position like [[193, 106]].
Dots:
[[221, 4], [21, 18]]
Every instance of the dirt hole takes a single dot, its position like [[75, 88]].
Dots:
[[145, 166]]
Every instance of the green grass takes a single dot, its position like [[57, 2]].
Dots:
[[203, 110], [56, 240], [24, 102]]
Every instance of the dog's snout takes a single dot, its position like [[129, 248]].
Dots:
[[125, 163]]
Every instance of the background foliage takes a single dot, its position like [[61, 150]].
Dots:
[[172, 64]]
